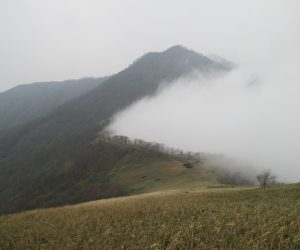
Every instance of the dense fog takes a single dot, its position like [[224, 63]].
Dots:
[[251, 116]]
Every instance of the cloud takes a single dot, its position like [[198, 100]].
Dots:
[[252, 117]]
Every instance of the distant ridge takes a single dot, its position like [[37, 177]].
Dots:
[[24, 103]]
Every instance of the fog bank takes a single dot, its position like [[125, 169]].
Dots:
[[250, 116]]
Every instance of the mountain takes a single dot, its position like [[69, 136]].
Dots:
[[140, 79], [57, 159], [24, 103]]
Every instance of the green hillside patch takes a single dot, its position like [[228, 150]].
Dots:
[[105, 169], [154, 172], [203, 219]]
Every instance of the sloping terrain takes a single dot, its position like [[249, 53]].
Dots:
[[52, 160], [24, 103], [142, 172], [183, 219], [102, 170]]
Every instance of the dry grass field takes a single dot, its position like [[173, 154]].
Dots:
[[211, 218]]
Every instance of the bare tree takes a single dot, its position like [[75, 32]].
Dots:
[[266, 178]]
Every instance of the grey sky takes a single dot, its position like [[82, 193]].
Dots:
[[60, 39]]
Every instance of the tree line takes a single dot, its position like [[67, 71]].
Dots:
[[156, 147]]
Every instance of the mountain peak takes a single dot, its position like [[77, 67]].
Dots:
[[177, 48], [178, 60]]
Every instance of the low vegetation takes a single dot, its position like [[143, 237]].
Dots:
[[228, 218], [105, 168]]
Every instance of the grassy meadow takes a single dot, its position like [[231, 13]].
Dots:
[[208, 218]]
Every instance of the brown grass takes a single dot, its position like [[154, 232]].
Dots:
[[187, 219]]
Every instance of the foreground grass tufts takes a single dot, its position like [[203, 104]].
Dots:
[[246, 219]]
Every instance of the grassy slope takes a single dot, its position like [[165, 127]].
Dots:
[[146, 172], [207, 219], [106, 170]]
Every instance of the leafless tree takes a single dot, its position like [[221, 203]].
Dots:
[[266, 178]]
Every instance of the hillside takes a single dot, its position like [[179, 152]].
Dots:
[[52, 160], [182, 219], [24, 103], [106, 169]]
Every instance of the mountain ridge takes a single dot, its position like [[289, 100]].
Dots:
[[46, 160], [26, 102]]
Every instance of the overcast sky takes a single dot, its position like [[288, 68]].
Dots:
[[44, 40]]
